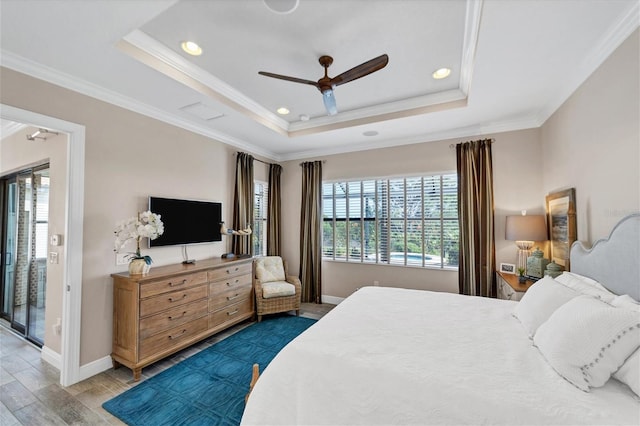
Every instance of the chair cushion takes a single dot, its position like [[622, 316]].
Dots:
[[269, 268], [277, 289]]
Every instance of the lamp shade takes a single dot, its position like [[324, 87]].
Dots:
[[526, 228]]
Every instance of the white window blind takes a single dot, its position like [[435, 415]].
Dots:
[[400, 221]]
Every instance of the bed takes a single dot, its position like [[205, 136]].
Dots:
[[397, 356]]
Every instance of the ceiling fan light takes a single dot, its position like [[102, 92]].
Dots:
[[329, 102]]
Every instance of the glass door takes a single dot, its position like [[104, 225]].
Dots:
[[26, 212]]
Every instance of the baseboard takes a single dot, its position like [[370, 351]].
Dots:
[[52, 357], [94, 367], [332, 299]]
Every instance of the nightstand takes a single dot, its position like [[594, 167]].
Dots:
[[509, 288]]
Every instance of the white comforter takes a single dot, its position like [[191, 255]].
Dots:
[[394, 356]]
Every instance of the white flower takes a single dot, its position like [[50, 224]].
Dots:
[[145, 225]]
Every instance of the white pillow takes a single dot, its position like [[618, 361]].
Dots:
[[540, 301], [626, 302], [586, 340], [629, 373], [584, 285]]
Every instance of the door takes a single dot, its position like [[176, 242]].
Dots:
[[25, 208]]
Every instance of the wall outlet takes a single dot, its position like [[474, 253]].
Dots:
[[122, 259], [376, 283]]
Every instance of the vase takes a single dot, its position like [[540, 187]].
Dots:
[[138, 267]]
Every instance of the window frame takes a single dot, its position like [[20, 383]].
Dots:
[[260, 231], [381, 217]]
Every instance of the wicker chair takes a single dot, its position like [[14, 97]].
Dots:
[[275, 291]]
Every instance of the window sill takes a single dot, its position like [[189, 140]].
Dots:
[[354, 262]]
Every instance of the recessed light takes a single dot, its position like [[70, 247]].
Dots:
[[441, 73], [191, 48], [282, 111], [370, 133], [304, 117], [281, 7]]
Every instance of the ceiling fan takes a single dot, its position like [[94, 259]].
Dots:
[[327, 84]]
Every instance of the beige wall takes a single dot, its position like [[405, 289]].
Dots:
[[18, 153], [592, 143], [127, 158], [517, 185]]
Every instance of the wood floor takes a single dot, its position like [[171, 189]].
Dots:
[[30, 393]]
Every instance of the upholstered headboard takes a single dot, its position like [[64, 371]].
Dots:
[[614, 261]]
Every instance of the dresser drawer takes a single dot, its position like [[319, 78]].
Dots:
[[230, 271], [172, 318], [164, 301], [229, 297], [230, 313], [222, 286], [178, 282], [172, 337]]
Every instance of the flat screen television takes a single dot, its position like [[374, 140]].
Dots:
[[186, 221]]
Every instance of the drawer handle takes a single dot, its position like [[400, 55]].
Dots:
[[172, 284], [178, 335], [183, 314], [229, 284], [171, 299], [235, 270], [232, 313], [233, 297]]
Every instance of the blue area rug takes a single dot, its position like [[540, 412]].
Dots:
[[209, 387]]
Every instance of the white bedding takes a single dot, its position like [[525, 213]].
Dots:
[[395, 356]]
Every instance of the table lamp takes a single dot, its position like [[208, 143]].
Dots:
[[525, 230]]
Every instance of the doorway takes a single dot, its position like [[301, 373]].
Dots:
[[24, 207]]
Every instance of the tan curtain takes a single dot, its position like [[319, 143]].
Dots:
[[243, 203], [273, 211], [310, 232], [476, 272]]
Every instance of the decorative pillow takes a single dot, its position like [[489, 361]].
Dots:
[[584, 285], [540, 301], [277, 289], [586, 340], [270, 268], [629, 373]]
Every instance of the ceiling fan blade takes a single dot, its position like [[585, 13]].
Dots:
[[287, 78], [361, 70]]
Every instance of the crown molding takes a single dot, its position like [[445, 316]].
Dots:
[[523, 123], [156, 55], [42, 72], [618, 33]]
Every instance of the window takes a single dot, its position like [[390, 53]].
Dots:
[[259, 228], [399, 221]]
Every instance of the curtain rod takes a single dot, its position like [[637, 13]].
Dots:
[[257, 159], [453, 145], [323, 161]]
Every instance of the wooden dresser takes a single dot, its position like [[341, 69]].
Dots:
[[174, 306]]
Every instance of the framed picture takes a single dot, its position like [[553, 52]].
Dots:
[[561, 219], [507, 268]]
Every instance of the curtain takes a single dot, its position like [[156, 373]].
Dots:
[[273, 211], [311, 232], [476, 272], [243, 203]]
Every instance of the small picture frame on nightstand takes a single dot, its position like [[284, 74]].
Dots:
[[508, 268]]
